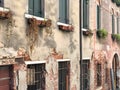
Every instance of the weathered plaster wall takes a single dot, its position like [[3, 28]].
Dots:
[[92, 45], [66, 43]]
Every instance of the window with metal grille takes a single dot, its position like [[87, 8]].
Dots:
[[64, 11], [36, 8], [85, 13], [85, 75], [99, 80], [1, 3], [64, 75], [36, 77], [98, 16]]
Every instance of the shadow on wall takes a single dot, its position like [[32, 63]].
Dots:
[[13, 40], [50, 42], [72, 45]]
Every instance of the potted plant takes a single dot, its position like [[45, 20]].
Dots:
[[117, 2], [5, 14], [102, 33], [116, 37]]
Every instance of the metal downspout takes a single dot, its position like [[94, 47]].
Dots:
[[80, 41]]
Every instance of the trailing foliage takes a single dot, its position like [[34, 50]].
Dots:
[[116, 37], [117, 2], [102, 33]]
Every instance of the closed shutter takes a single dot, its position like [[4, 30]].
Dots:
[[31, 7], [63, 11], [98, 17], [5, 78], [117, 25], [113, 25], [37, 7], [1, 3], [85, 14]]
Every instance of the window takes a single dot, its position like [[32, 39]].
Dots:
[[106, 73], [36, 77], [113, 24], [64, 75], [85, 75], [1, 3], [118, 25], [98, 16], [36, 7], [85, 13], [99, 80], [64, 11]]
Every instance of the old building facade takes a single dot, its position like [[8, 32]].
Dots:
[[40, 45], [100, 22]]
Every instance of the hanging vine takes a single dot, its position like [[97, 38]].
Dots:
[[32, 33], [33, 28]]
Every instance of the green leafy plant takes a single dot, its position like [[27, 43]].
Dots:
[[116, 37], [117, 2], [113, 1], [102, 33]]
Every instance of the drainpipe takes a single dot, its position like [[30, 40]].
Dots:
[[80, 45]]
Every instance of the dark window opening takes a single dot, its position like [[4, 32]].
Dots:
[[1, 3], [85, 75], [99, 80], [64, 75], [36, 77]]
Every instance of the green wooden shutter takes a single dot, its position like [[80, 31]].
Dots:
[[63, 11], [30, 10], [98, 17], [85, 14], [37, 7], [117, 25], [1, 3], [113, 24]]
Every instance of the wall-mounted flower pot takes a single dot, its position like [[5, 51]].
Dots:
[[116, 37], [5, 14], [66, 28], [102, 33], [87, 33], [40, 23]]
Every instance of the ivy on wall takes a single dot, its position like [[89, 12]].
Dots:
[[117, 2]]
